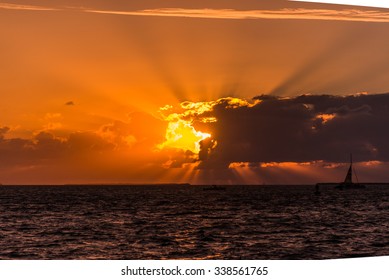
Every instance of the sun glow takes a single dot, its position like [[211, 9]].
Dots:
[[182, 135]]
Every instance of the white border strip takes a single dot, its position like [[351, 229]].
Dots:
[[357, 269], [366, 3]]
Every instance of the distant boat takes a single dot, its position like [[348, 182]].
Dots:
[[348, 181], [214, 188]]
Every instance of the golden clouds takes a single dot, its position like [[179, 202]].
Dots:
[[325, 117], [53, 121], [181, 132], [9, 6]]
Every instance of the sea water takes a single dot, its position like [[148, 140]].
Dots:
[[190, 222]]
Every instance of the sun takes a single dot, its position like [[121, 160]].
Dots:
[[182, 135]]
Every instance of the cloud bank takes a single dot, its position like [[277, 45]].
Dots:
[[275, 139], [302, 139], [117, 152], [299, 129]]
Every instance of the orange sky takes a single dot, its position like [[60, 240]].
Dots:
[[83, 83]]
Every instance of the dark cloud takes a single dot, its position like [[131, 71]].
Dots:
[[3, 131], [180, 158], [118, 151], [45, 147], [300, 129], [206, 147], [141, 132], [69, 103]]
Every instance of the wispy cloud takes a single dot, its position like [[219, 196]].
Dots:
[[291, 14], [307, 14], [9, 6], [69, 103]]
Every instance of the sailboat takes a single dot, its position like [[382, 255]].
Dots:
[[348, 181]]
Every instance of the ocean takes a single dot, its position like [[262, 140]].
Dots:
[[188, 222]]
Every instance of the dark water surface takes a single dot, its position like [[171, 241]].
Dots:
[[187, 222]]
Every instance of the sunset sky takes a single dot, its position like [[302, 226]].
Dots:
[[204, 92]]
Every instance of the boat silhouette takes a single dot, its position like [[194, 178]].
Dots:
[[348, 181]]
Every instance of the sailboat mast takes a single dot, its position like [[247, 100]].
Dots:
[[353, 170], [349, 176]]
